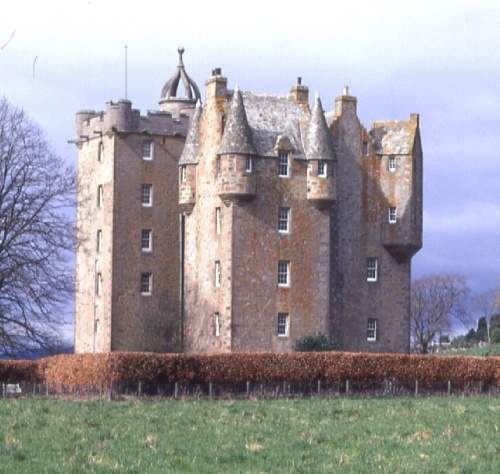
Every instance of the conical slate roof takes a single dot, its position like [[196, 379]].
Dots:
[[237, 136], [317, 142], [170, 89], [190, 152]]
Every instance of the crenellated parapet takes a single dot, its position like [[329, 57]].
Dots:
[[120, 117]]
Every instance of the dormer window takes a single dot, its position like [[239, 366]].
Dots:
[[284, 164], [248, 164]]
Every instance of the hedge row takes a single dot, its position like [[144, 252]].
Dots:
[[101, 369]]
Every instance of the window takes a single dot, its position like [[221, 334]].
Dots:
[[98, 284], [283, 273], [392, 215], [97, 326], [284, 164], [100, 153], [217, 274], [392, 163], [100, 195], [99, 240], [248, 164], [322, 169], [284, 220], [147, 195], [146, 240], [147, 149], [146, 283], [216, 325], [371, 330], [183, 174], [282, 324], [217, 221], [372, 269], [365, 148]]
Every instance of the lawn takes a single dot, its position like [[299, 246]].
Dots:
[[318, 435]]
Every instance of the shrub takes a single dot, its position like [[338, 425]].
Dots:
[[317, 342], [495, 335]]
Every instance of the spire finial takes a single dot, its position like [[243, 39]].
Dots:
[[180, 50]]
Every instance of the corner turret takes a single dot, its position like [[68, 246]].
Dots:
[[236, 182], [321, 190]]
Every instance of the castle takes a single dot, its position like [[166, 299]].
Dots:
[[244, 223]]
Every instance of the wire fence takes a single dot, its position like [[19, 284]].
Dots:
[[248, 390]]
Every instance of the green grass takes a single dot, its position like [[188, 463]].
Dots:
[[321, 435], [486, 351]]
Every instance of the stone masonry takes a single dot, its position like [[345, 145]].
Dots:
[[269, 220]]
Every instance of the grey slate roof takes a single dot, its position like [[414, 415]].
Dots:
[[237, 137], [273, 116], [393, 137], [317, 141], [190, 152]]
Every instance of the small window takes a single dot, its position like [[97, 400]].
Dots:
[[283, 273], [284, 164], [147, 195], [322, 169], [217, 274], [392, 163], [99, 240], [372, 269], [371, 330], [97, 326], [146, 240], [98, 284], [392, 215], [365, 148], [282, 324], [216, 325], [146, 283], [147, 149], [248, 164], [284, 220], [183, 174], [100, 153], [217, 221], [100, 195]]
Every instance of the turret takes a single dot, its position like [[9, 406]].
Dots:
[[188, 163], [321, 175], [236, 176]]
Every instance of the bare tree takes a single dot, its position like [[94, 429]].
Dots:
[[485, 304], [437, 302], [36, 235]]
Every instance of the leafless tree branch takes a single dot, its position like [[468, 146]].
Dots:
[[36, 235]]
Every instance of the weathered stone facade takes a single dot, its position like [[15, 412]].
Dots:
[[270, 221]]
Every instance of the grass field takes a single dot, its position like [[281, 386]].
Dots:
[[319, 435]]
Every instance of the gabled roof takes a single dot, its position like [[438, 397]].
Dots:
[[394, 137], [273, 116]]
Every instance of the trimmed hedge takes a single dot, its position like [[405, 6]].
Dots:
[[101, 369]]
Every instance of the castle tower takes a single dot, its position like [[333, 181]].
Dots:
[[256, 242], [379, 215], [127, 264]]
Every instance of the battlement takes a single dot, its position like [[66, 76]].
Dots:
[[120, 117]]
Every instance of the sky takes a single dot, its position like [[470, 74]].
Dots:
[[439, 59]]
